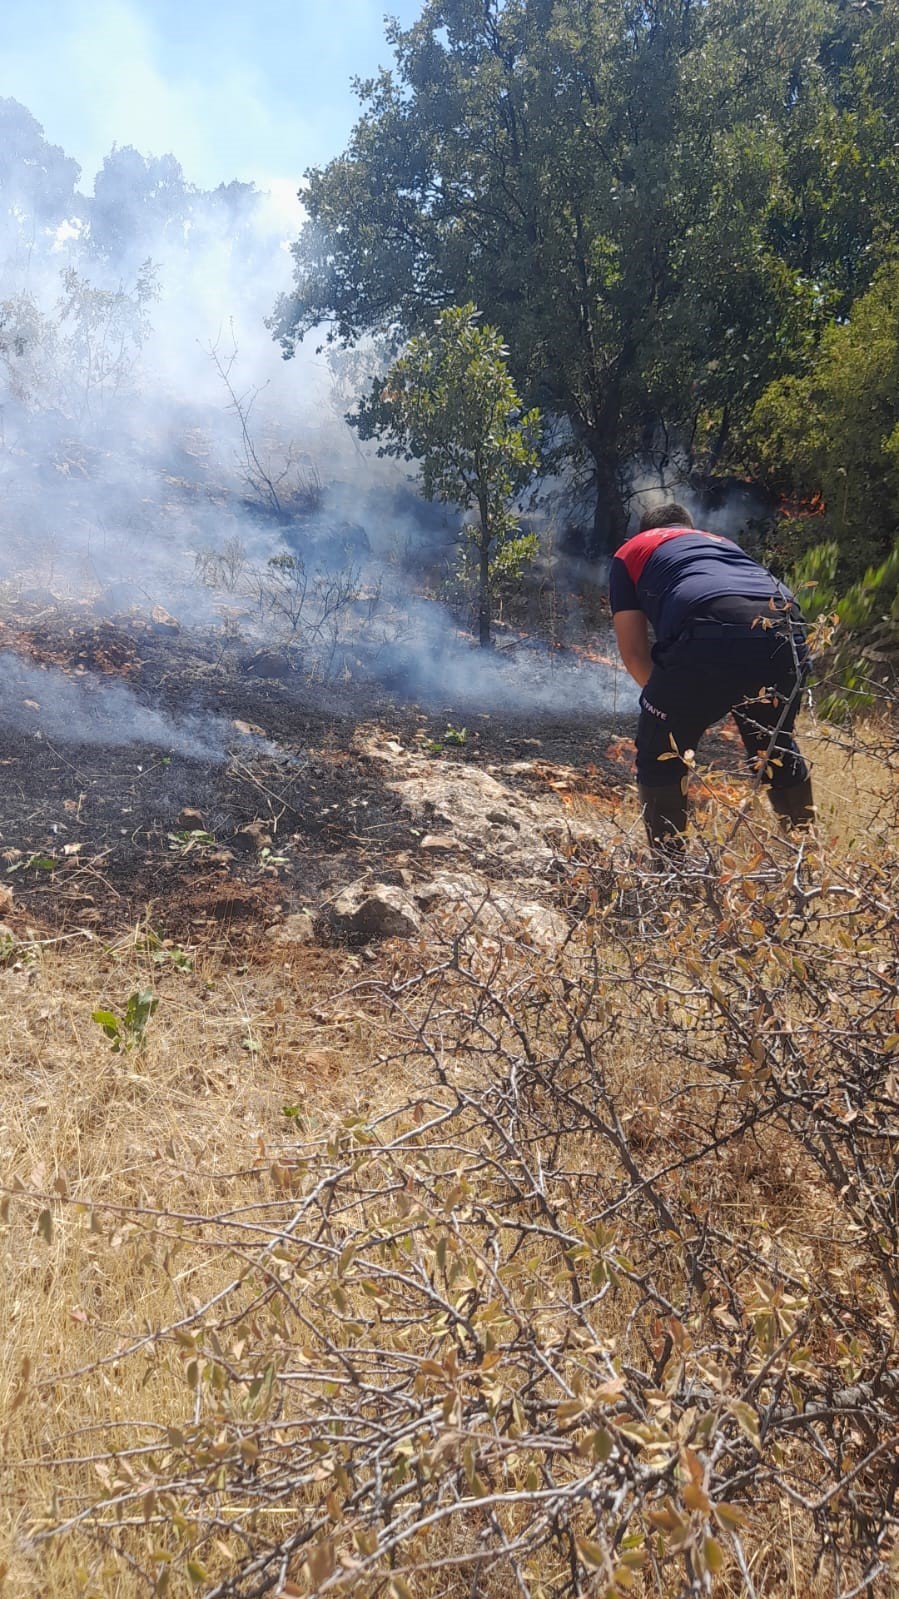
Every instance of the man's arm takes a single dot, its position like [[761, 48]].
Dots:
[[632, 634]]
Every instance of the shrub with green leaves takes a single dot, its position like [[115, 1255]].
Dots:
[[860, 649], [834, 430], [127, 1032]]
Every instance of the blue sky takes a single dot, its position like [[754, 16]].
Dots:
[[251, 89]]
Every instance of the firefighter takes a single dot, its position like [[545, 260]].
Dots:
[[729, 638]]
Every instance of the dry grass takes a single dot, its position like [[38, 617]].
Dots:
[[191, 1122], [140, 1185]]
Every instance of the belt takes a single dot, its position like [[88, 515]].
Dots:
[[764, 627], [735, 616]]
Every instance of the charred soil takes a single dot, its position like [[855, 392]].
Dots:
[[98, 833]]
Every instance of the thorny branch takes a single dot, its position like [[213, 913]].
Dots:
[[614, 1291]]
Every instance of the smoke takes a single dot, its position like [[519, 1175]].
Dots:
[[156, 451], [45, 703], [735, 509], [436, 664], [121, 453]]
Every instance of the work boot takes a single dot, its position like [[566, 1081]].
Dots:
[[664, 816], [794, 806]]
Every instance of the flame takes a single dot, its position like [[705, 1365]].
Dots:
[[593, 655], [620, 751], [722, 790], [812, 506]]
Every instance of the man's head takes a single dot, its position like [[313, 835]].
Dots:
[[669, 515]]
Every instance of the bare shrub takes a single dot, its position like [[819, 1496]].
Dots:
[[292, 603], [222, 568], [306, 606], [607, 1304], [284, 479]]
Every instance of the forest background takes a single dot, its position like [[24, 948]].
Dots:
[[679, 216]]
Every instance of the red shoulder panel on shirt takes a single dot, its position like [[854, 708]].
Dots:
[[636, 551]]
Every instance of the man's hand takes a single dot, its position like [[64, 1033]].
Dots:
[[632, 634]]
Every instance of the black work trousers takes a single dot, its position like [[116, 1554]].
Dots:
[[754, 674]]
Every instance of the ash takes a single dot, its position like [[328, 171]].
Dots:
[[170, 773]]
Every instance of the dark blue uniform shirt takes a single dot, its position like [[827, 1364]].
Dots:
[[672, 573]]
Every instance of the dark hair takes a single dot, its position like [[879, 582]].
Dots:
[[669, 515]]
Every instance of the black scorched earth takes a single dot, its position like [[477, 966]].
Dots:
[[97, 833]]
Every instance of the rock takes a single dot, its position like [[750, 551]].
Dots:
[[366, 911], [467, 898], [472, 807], [267, 664], [252, 838], [498, 827], [393, 877], [296, 929], [455, 888], [163, 621], [539, 923], [190, 821], [503, 819]]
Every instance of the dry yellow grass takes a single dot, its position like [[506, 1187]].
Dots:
[[191, 1122], [101, 1153]]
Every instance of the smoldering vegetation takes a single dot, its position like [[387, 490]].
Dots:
[[157, 457], [46, 703]]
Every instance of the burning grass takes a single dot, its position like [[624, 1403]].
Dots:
[[464, 1265]]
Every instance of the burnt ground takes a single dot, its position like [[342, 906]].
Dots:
[[90, 833]]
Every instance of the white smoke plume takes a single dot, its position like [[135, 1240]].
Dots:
[[47, 703], [150, 433]]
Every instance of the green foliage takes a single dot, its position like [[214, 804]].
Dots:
[[874, 597], [835, 430], [82, 357], [11, 949], [449, 402], [866, 615], [29, 351], [104, 330], [814, 580], [834, 217], [37, 179], [164, 952], [185, 841], [660, 205], [127, 1032], [37, 863]]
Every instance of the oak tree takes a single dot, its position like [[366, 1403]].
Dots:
[[599, 180]]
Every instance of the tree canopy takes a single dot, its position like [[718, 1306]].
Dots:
[[834, 429], [37, 179], [633, 193], [450, 404]]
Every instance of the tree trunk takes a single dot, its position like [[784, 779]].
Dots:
[[720, 441], [484, 638], [609, 513]]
